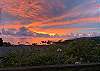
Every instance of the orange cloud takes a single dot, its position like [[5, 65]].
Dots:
[[76, 21], [55, 31], [11, 26], [30, 9], [34, 27]]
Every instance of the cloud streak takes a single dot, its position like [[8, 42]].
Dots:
[[49, 17]]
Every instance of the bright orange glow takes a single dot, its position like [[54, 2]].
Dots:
[[81, 20], [34, 27], [55, 31]]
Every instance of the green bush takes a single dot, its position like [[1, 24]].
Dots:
[[82, 51]]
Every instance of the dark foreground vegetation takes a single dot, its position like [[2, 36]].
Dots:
[[76, 51]]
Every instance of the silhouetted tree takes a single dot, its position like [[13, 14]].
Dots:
[[1, 42], [7, 44]]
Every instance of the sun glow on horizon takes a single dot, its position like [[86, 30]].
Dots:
[[49, 18]]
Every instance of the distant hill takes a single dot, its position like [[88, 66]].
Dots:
[[80, 42], [97, 39]]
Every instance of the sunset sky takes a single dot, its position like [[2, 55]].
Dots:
[[44, 18]]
